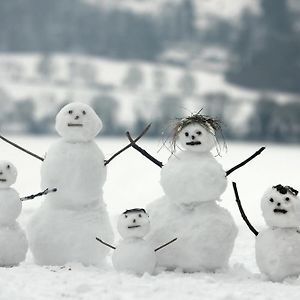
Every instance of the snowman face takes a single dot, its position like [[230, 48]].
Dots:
[[133, 224], [280, 210], [197, 138], [8, 174], [78, 122]]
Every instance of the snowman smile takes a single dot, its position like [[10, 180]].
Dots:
[[193, 143], [134, 226], [280, 211], [2, 180], [74, 125]]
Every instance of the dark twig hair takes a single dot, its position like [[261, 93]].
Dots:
[[213, 126]]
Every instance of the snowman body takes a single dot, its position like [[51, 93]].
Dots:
[[64, 228], [277, 247], [134, 255], [193, 182], [13, 241]]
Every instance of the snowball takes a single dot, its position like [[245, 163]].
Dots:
[[78, 122], [134, 255], [59, 236], [10, 206], [277, 252], [77, 171], [13, 245], [133, 224], [206, 234], [196, 138], [8, 174], [280, 210], [191, 177]]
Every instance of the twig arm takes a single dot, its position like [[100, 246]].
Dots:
[[143, 152], [245, 161], [45, 192], [238, 201], [106, 244], [21, 148], [166, 244], [106, 162]]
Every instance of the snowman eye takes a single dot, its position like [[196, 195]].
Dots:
[[186, 134], [140, 215], [8, 167], [70, 112], [84, 112], [271, 200], [126, 216], [287, 199], [199, 132]]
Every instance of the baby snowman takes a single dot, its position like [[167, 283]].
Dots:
[[133, 254], [278, 246], [193, 182], [63, 229], [13, 242]]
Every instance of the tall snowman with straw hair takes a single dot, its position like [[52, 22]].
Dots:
[[64, 228]]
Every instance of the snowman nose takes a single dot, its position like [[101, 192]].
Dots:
[[134, 220], [1, 173], [193, 137], [77, 117], [278, 204]]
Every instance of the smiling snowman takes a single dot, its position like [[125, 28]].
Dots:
[[133, 254], [64, 227], [13, 242]]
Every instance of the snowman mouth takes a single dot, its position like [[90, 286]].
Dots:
[[280, 211], [74, 125], [193, 143], [2, 180], [134, 226]]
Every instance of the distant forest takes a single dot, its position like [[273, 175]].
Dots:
[[265, 48]]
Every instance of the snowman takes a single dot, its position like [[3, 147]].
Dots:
[[133, 254], [13, 242], [63, 229], [193, 182], [277, 247]]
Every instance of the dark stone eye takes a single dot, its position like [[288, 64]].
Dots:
[[70, 112], [199, 132], [186, 134], [140, 215], [287, 199], [126, 216], [271, 200], [8, 167], [84, 112]]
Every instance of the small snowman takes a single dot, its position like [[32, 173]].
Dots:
[[134, 254], [193, 182], [63, 229], [278, 246], [13, 242]]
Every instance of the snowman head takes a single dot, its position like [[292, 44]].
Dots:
[[281, 206], [134, 223], [196, 133], [8, 174], [78, 122]]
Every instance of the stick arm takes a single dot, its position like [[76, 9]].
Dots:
[[166, 244], [45, 192], [245, 161], [143, 152], [238, 201], [105, 244]]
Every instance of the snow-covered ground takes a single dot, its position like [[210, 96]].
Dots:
[[133, 182]]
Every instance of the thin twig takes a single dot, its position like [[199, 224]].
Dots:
[[166, 244], [45, 192], [238, 201], [128, 146], [143, 152], [21, 148], [108, 245], [245, 161]]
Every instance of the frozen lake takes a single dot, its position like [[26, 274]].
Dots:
[[133, 181]]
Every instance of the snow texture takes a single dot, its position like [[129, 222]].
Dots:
[[65, 227], [133, 254], [13, 242]]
